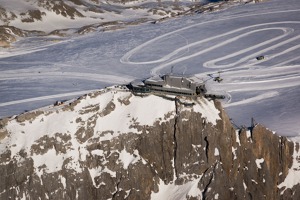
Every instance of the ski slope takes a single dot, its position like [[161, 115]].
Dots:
[[37, 71]]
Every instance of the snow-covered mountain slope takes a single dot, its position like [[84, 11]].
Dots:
[[111, 144], [47, 15], [37, 71]]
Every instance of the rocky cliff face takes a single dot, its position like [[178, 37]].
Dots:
[[114, 145]]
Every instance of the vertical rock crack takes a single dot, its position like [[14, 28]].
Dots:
[[174, 135]]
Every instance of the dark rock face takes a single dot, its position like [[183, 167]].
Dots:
[[182, 150], [8, 35]]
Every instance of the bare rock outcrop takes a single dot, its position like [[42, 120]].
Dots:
[[190, 151]]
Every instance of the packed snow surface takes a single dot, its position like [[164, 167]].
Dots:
[[37, 71], [173, 191], [259, 162], [293, 175]]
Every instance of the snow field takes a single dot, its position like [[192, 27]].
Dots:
[[172, 191], [293, 174], [228, 41]]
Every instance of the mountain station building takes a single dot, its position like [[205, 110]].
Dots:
[[170, 84]]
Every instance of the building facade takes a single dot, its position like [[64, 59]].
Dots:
[[170, 84]]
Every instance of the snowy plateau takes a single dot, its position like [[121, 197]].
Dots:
[[96, 145], [37, 71]]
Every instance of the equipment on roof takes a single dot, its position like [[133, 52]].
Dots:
[[216, 78]]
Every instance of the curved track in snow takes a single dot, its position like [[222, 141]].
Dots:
[[20, 74], [127, 57], [245, 60], [45, 97], [16, 75], [244, 32]]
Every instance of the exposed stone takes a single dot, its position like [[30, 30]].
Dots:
[[182, 147], [61, 143], [3, 133], [32, 15], [126, 100], [108, 109], [28, 116]]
